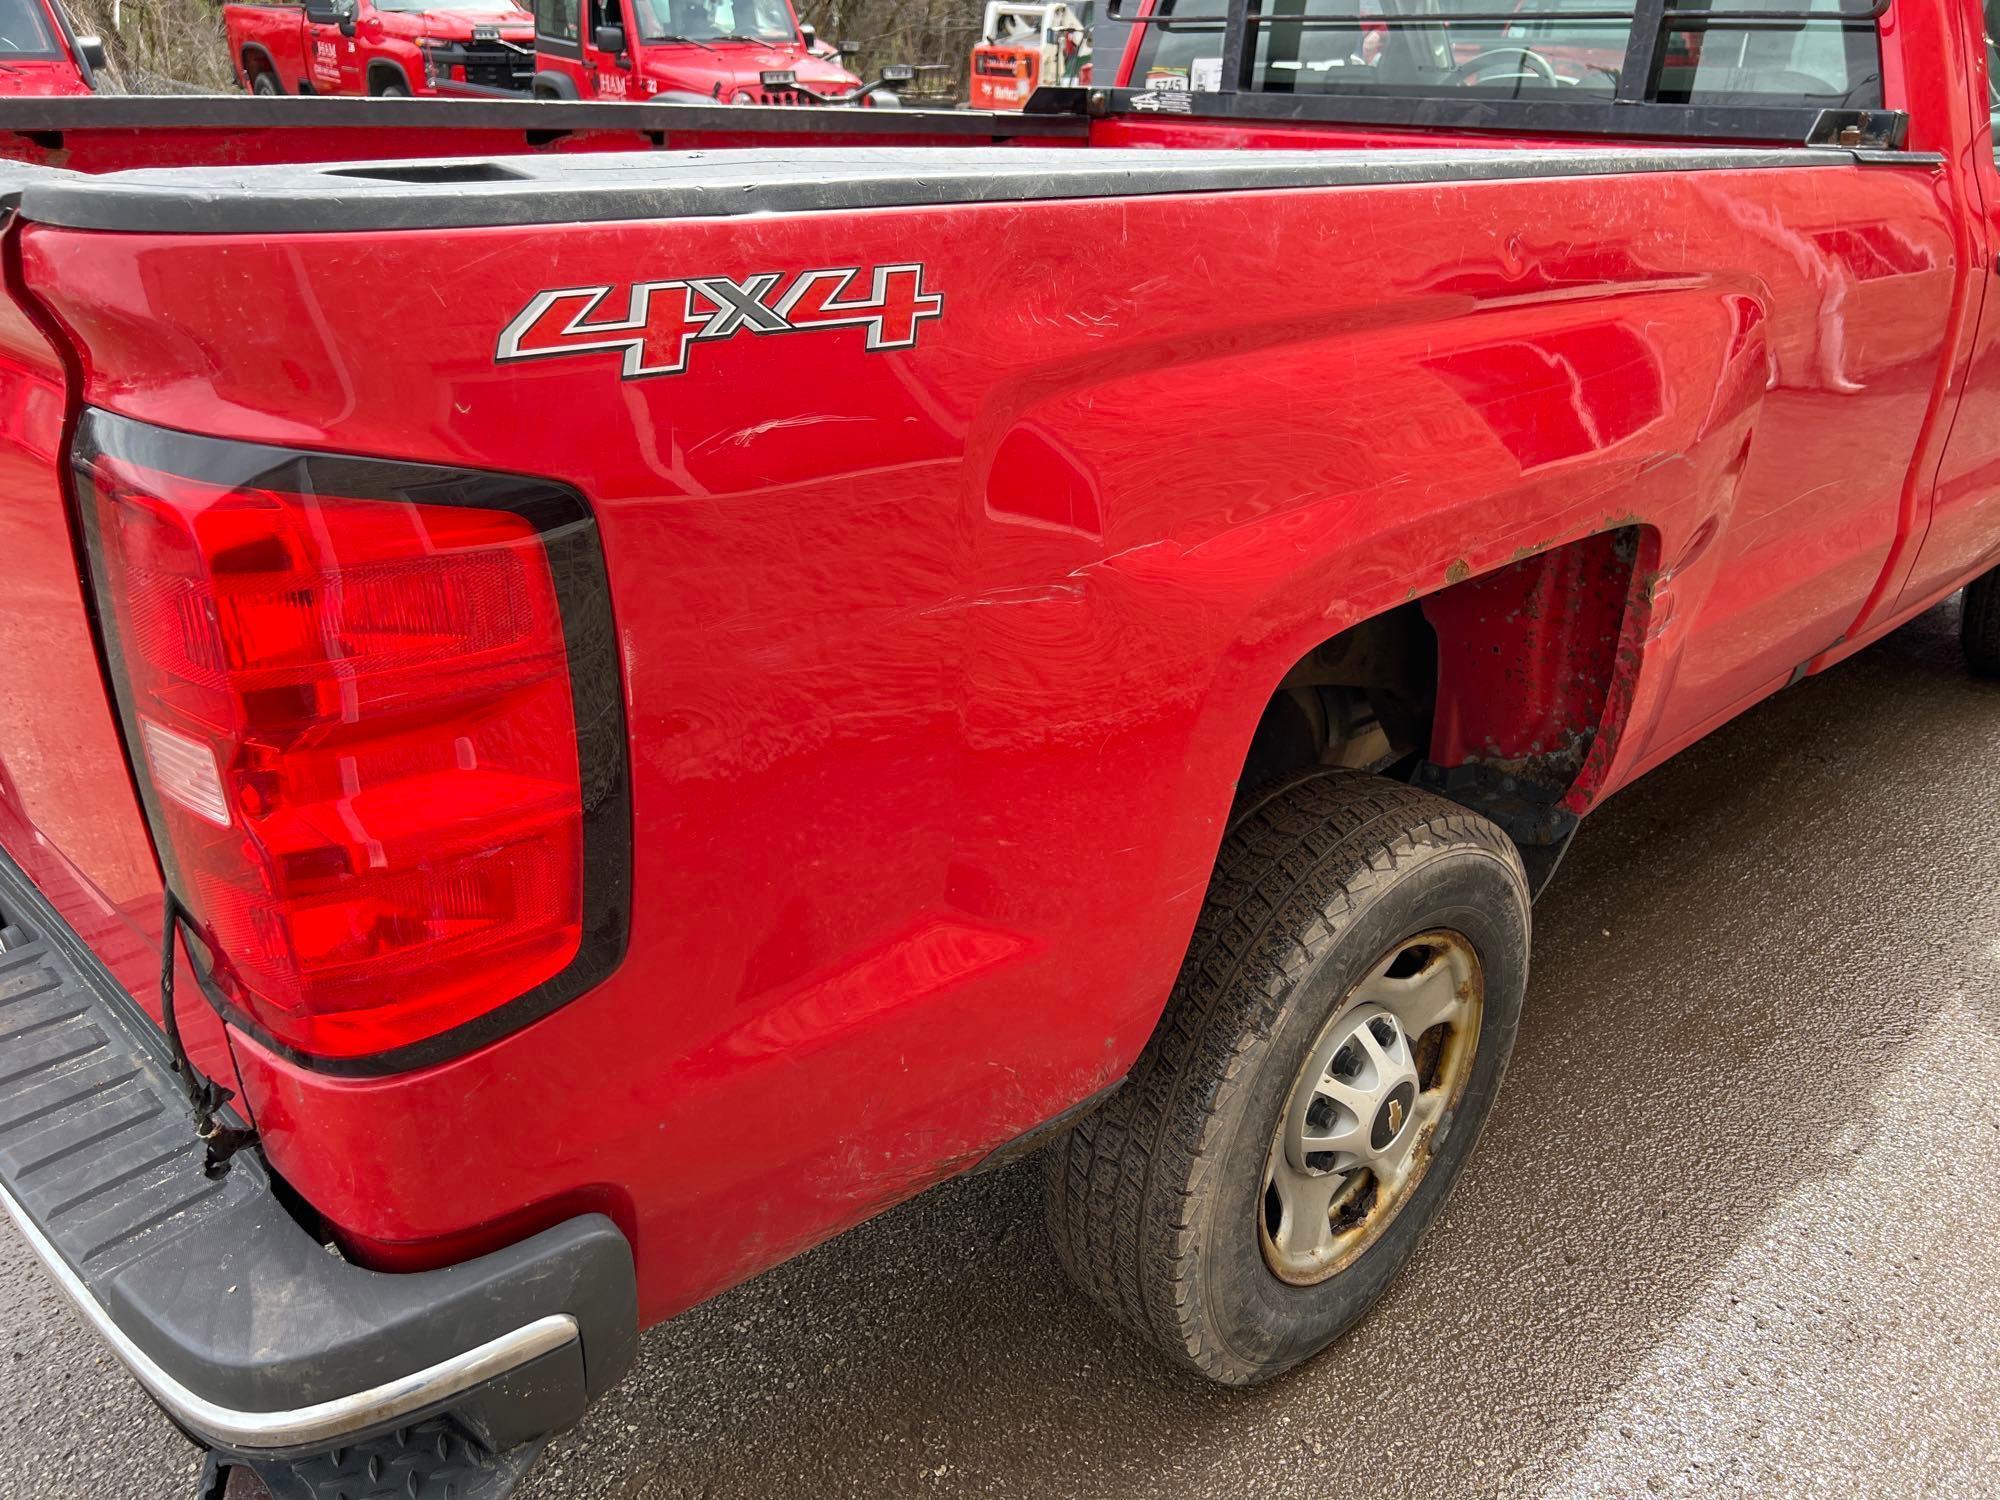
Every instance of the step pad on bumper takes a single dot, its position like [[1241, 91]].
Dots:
[[96, 1142], [239, 1322]]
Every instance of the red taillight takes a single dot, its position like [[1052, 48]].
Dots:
[[348, 694]]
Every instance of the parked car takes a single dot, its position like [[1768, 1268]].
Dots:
[[693, 51], [41, 53], [382, 47], [832, 649]]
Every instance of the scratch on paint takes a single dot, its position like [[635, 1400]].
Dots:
[[745, 436]]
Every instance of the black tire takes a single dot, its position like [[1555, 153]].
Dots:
[[264, 83], [392, 88], [1980, 626], [1153, 1201]]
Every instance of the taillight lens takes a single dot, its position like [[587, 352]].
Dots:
[[352, 700]]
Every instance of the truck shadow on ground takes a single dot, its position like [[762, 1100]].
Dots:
[[1735, 946]]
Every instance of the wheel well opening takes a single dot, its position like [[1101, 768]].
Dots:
[[1507, 691], [380, 73], [1365, 698]]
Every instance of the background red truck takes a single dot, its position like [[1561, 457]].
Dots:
[[40, 53], [382, 47], [803, 680], [690, 51]]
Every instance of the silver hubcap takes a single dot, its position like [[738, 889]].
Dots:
[[1357, 1131]]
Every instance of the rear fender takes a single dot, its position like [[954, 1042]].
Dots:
[[1489, 441], [253, 59]]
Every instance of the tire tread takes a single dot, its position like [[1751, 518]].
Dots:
[[1124, 1185]]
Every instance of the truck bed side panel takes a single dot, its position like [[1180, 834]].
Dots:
[[941, 660]]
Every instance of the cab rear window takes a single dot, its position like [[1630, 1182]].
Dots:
[[1535, 49]]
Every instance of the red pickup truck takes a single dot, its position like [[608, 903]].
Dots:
[[40, 53], [382, 47], [794, 653]]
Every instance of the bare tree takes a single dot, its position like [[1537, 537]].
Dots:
[[935, 36], [158, 46]]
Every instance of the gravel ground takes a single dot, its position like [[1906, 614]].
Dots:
[[1734, 1228]]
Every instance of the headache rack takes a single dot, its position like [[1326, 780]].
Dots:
[[1632, 109]]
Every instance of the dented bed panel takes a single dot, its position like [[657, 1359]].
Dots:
[[955, 547]]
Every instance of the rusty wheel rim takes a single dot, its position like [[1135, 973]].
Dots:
[[1354, 1141]]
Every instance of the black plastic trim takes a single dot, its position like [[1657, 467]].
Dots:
[[1035, 1137], [475, 90], [570, 540], [589, 186]]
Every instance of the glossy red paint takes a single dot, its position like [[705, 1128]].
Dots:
[[467, 48], [941, 663], [42, 75], [43, 55]]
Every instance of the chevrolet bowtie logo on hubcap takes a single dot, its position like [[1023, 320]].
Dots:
[[1393, 1115]]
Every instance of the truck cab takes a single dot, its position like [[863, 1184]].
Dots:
[[687, 51], [382, 47], [1023, 46], [41, 54]]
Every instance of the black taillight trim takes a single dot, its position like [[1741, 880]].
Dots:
[[568, 531]]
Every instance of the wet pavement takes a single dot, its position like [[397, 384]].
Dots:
[[1734, 1228]]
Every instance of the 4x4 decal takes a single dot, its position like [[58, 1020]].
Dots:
[[663, 320]]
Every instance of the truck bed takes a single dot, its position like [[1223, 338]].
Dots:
[[938, 618], [953, 496]]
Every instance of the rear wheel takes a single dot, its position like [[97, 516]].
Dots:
[[1331, 1050], [1980, 626], [263, 83]]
